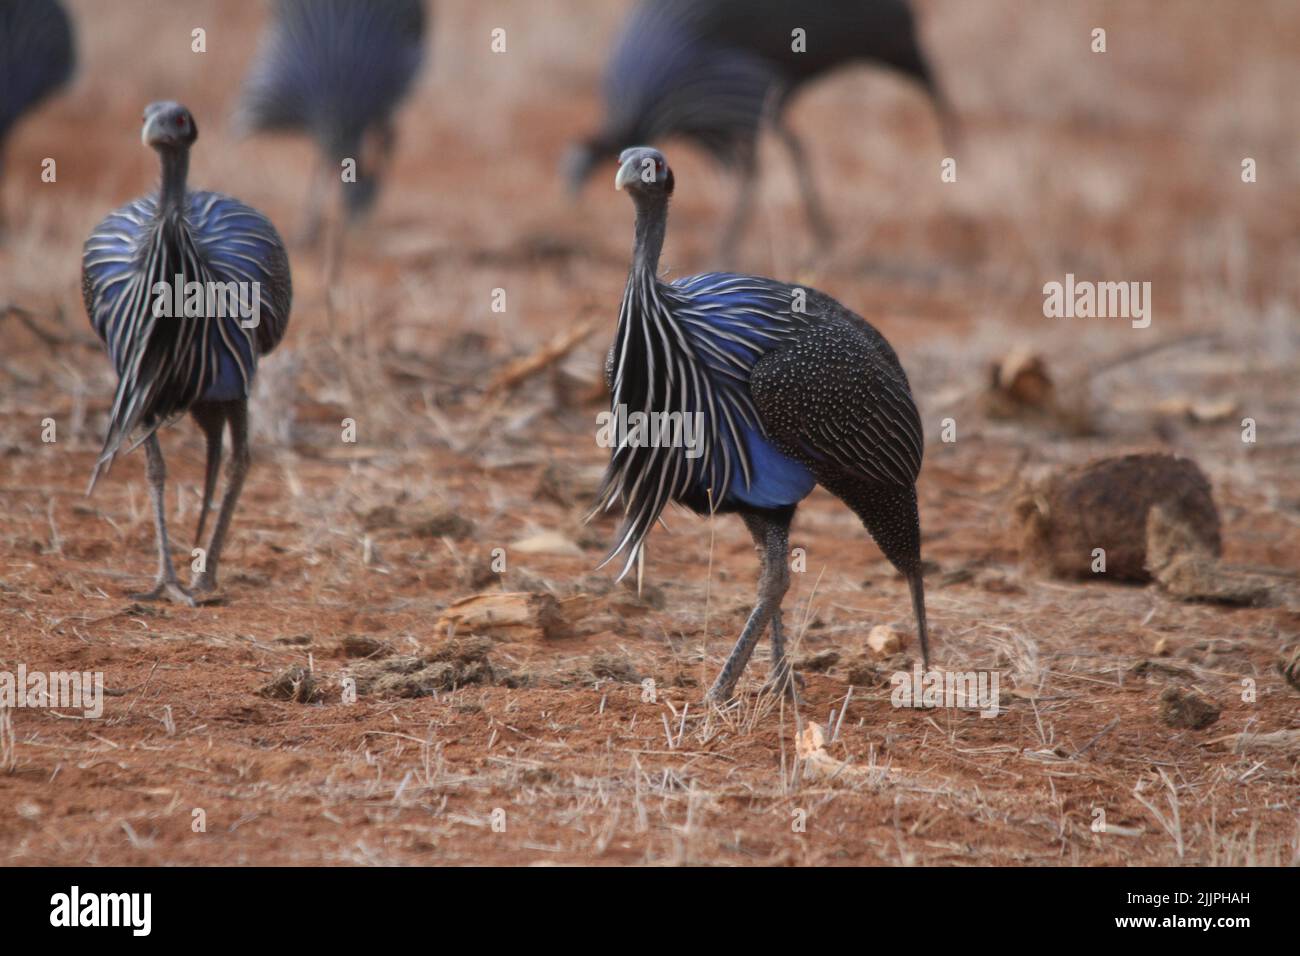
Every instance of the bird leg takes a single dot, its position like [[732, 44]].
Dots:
[[817, 220], [166, 586], [740, 215], [782, 678], [772, 539], [212, 419], [317, 186], [240, 457]]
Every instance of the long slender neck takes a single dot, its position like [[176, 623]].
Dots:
[[175, 168], [651, 224]]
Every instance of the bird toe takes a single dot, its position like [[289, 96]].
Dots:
[[166, 591]]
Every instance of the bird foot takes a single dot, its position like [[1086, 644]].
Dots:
[[205, 584], [165, 590], [719, 696], [784, 682]]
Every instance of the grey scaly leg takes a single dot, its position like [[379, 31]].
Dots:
[[240, 457], [212, 419], [740, 215], [318, 186], [812, 204], [166, 585], [782, 678], [772, 538]]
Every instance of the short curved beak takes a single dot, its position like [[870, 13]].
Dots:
[[628, 172], [149, 135]]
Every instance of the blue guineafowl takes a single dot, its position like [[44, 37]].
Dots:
[[711, 71], [200, 358], [36, 58], [337, 70], [791, 390]]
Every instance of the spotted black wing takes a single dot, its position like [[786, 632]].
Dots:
[[836, 397]]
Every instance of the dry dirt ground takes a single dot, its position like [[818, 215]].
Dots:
[[536, 746]]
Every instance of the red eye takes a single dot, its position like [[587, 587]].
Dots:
[[180, 122]]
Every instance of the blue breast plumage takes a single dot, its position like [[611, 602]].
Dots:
[[732, 321]]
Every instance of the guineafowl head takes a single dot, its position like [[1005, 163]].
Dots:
[[168, 126], [644, 172]]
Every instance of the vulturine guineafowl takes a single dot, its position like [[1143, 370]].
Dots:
[[790, 390], [188, 290], [711, 71], [36, 58], [337, 69]]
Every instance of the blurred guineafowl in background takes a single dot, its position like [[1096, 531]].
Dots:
[[36, 58], [789, 390], [200, 358], [711, 71], [337, 69]]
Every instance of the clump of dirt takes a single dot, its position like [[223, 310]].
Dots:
[[443, 524], [1020, 388], [1216, 654], [1288, 665], [363, 645], [1181, 560], [616, 667], [1106, 504], [601, 667], [420, 522], [452, 664], [818, 663], [1180, 707], [869, 670], [1148, 668], [297, 684]]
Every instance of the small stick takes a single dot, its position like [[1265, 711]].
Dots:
[[555, 350]]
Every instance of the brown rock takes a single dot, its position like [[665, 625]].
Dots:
[[1186, 708], [883, 640], [1105, 504]]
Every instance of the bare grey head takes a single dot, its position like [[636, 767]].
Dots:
[[644, 173], [168, 126]]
